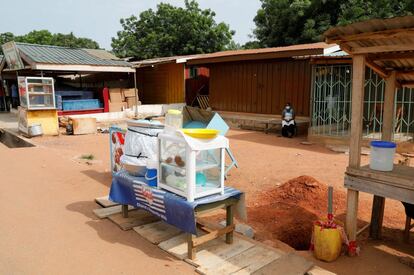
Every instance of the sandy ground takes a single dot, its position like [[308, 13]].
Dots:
[[47, 224], [47, 199]]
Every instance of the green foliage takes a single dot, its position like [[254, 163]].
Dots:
[[358, 10], [44, 37], [170, 30], [286, 22]]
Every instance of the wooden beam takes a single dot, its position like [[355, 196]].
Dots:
[[331, 61], [380, 71], [383, 48], [408, 84], [389, 98], [391, 56], [377, 217], [352, 214], [386, 34], [404, 73], [358, 87]]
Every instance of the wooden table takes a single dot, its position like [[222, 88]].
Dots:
[[210, 233], [397, 184]]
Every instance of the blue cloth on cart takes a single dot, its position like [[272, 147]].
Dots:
[[171, 208]]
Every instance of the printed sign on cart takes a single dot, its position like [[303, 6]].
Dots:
[[150, 199], [117, 140]]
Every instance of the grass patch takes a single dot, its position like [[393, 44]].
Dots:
[[88, 157]]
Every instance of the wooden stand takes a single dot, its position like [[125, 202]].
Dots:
[[212, 234], [362, 178]]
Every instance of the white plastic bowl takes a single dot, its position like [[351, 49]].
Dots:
[[135, 168], [382, 155]]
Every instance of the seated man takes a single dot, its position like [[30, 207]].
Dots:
[[288, 121]]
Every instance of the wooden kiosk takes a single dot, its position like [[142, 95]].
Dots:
[[387, 47]]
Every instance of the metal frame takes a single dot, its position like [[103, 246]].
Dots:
[[330, 81]]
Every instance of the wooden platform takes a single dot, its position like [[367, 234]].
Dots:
[[243, 256], [397, 184], [105, 202]]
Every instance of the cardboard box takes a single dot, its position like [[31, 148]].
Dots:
[[83, 126], [117, 106], [116, 95], [131, 101], [129, 92]]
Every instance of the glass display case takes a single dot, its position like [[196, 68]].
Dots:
[[190, 167], [37, 93]]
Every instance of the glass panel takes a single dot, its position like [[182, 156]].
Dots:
[[173, 161], [208, 170], [22, 91], [40, 93]]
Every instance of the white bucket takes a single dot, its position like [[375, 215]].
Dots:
[[382, 155]]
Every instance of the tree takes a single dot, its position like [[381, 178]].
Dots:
[[358, 10], [44, 37], [287, 22], [170, 31]]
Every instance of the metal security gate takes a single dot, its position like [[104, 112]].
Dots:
[[404, 114], [331, 100], [331, 104]]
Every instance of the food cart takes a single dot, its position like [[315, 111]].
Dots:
[[38, 106]]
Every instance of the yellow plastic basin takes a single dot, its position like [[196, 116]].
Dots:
[[201, 133]]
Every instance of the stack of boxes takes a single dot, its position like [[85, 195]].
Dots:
[[130, 97], [121, 99]]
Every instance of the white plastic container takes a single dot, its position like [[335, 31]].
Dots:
[[382, 155], [173, 120]]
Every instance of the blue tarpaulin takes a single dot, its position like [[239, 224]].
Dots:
[[170, 207]]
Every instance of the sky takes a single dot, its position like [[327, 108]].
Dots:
[[99, 19]]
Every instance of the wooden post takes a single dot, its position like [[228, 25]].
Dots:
[[190, 247], [378, 203], [229, 222], [358, 87], [407, 229], [389, 101], [136, 94], [125, 211]]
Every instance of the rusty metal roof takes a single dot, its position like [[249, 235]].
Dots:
[[386, 43], [265, 53], [161, 60]]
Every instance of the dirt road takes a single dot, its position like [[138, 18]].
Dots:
[[46, 202]]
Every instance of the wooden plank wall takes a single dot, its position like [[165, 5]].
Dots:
[[261, 86], [162, 84]]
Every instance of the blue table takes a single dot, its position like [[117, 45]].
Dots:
[[176, 210]]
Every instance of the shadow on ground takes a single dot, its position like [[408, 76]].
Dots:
[[110, 232], [104, 178]]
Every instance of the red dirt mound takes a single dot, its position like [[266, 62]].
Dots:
[[288, 212]]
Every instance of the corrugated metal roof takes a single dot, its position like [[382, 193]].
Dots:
[[162, 60], [46, 54], [389, 43], [253, 54], [372, 25]]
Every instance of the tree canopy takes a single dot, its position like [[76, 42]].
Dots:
[[286, 22], [170, 30], [44, 37]]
